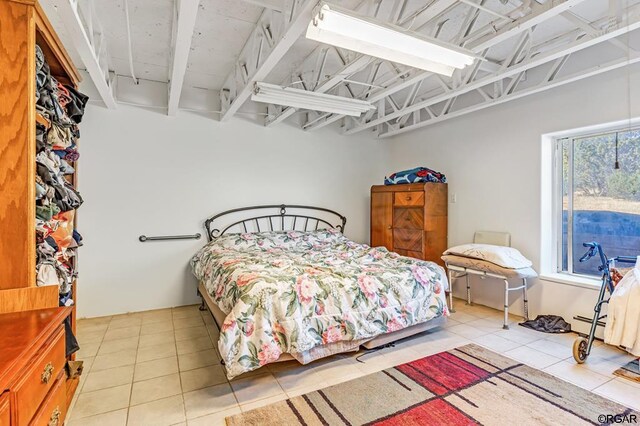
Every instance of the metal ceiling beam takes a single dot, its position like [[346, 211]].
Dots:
[[587, 27], [550, 82], [414, 22], [92, 52], [485, 9], [277, 113], [488, 36], [407, 82], [348, 69], [539, 59], [185, 15], [420, 18], [270, 40], [506, 31], [265, 4]]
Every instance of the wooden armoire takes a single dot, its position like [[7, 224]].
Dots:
[[410, 219], [23, 24]]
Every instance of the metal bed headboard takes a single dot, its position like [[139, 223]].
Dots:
[[274, 218]]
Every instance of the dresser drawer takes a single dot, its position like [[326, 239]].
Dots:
[[407, 239], [408, 218], [54, 408], [408, 198], [40, 377], [5, 409], [409, 253]]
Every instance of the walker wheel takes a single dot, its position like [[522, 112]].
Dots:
[[580, 350]]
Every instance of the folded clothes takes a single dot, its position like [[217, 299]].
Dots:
[[59, 137], [40, 138], [417, 175], [62, 108], [50, 177], [63, 236], [63, 95], [52, 243], [75, 108], [69, 154], [47, 275], [77, 237], [66, 168], [51, 161], [47, 212], [40, 191], [68, 198], [45, 251]]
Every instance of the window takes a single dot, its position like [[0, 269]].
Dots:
[[598, 189]]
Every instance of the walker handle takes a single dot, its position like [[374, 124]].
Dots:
[[593, 249]]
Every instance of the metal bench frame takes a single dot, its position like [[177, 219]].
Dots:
[[496, 238], [464, 272]]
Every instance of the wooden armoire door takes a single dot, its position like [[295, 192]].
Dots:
[[382, 219]]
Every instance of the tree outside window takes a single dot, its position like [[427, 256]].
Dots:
[[599, 201]]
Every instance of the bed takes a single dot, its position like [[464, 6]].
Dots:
[[283, 282]]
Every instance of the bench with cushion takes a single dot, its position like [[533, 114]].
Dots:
[[489, 256]]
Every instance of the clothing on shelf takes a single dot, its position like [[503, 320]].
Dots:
[[59, 109], [417, 175]]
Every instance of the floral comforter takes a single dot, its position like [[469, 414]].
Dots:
[[288, 292]]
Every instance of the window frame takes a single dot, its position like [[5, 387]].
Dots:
[[557, 191], [549, 197]]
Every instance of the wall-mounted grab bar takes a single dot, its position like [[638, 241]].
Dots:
[[144, 238]]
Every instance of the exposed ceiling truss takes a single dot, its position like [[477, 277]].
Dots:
[[184, 22], [420, 113], [524, 47], [275, 33], [84, 27], [408, 99]]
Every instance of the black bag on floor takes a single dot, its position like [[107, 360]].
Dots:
[[548, 324]]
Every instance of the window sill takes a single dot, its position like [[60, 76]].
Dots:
[[576, 281]]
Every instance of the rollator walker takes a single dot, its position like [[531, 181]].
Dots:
[[582, 345]]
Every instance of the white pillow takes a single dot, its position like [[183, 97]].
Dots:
[[507, 257]]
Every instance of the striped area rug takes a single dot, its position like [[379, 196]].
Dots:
[[467, 385]]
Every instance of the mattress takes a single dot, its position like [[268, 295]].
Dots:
[[291, 292]]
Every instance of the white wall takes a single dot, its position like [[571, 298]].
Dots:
[[492, 159], [142, 172]]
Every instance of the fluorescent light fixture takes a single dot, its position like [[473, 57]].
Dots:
[[342, 28], [297, 98]]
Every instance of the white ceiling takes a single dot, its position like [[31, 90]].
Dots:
[[223, 27]]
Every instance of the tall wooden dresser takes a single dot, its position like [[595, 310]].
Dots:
[[23, 24], [410, 219]]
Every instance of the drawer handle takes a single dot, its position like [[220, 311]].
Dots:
[[408, 197], [389, 227], [55, 417], [47, 373]]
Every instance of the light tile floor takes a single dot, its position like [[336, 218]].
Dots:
[[161, 367]]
